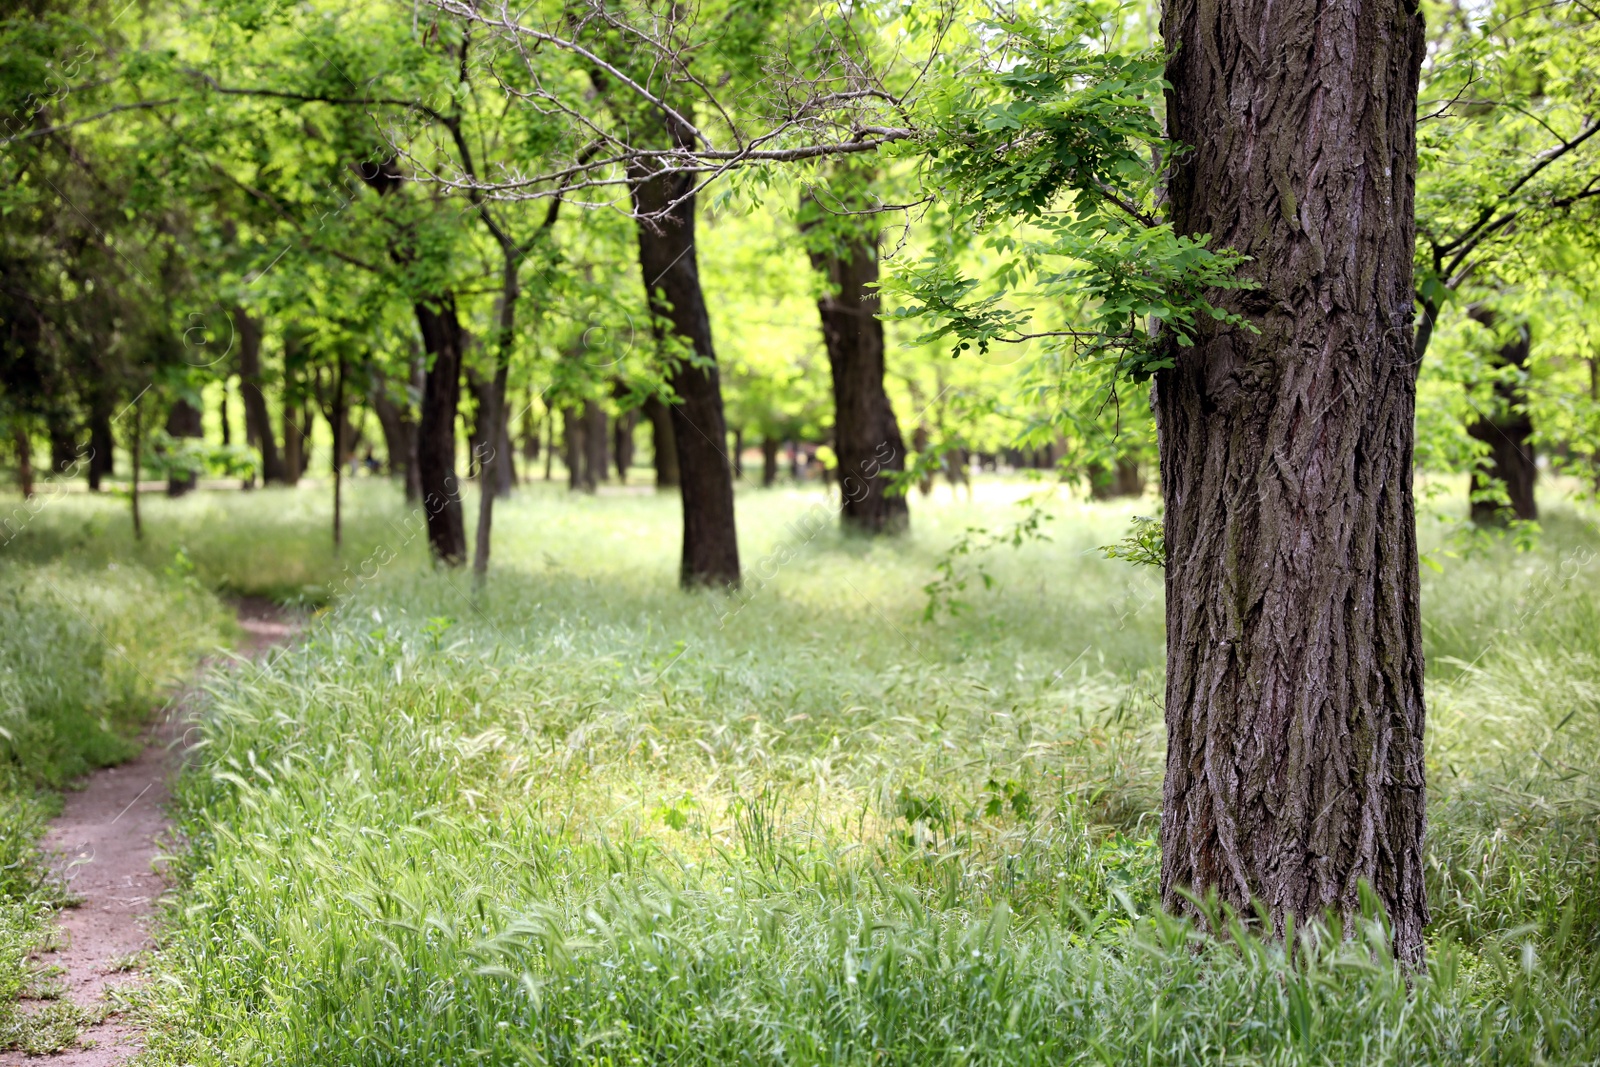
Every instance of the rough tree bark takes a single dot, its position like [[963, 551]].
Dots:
[[671, 273], [866, 437], [257, 424], [436, 429], [1294, 700], [1507, 430]]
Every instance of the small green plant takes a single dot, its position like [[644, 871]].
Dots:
[[1144, 546]]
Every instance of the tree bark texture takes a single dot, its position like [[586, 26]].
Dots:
[[664, 451], [436, 429], [1507, 431], [1294, 701], [866, 437], [672, 285], [257, 424]]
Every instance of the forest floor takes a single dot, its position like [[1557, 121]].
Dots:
[[109, 840]]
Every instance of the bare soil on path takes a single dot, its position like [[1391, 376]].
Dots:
[[107, 840]]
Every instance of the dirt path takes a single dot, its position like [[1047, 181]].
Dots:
[[108, 837]]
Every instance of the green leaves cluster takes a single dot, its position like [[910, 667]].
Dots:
[[1051, 154]]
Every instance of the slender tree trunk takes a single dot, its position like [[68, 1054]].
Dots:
[[549, 440], [257, 424], [394, 419], [672, 286], [436, 430], [339, 437], [663, 448], [293, 438], [738, 454], [1294, 637], [222, 413], [24, 449], [1507, 430], [184, 420], [866, 437], [136, 448]]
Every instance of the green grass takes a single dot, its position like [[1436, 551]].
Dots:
[[589, 819], [87, 651]]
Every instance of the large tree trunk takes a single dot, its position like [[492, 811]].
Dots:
[[1294, 637], [436, 430], [183, 420], [672, 285], [257, 424], [866, 436], [1507, 430], [664, 451]]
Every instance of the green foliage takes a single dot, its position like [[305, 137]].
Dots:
[[1145, 545], [1053, 149]]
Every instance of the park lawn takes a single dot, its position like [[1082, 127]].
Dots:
[[584, 817]]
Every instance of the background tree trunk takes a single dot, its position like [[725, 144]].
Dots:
[[1122, 480], [1294, 637], [574, 429], [504, 462], [866, 437], [622, 433], [63, 443], [24, 452], [663, 449], [769, 461], [257, 424], [398, 426], [1507, 430], [672, 285], [436, 429], [102, 445], [183, 420], [594, 445]]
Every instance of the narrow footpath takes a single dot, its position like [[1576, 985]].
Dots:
[[107, 840]]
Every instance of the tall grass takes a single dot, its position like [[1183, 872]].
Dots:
[[588, 818], [86, 654]]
